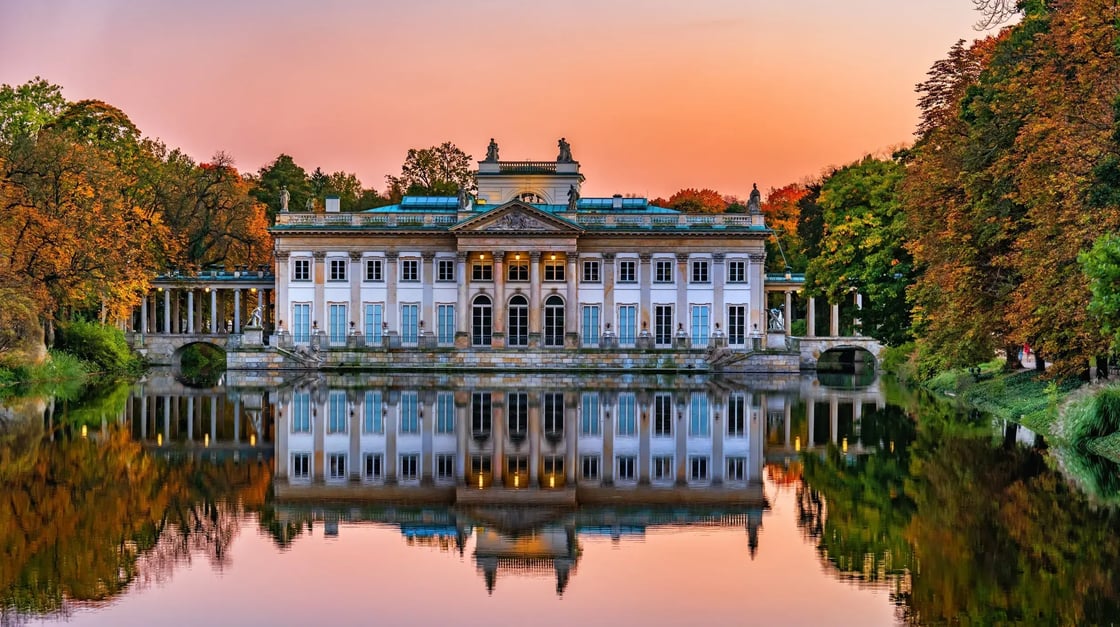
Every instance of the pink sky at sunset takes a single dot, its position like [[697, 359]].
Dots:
[[653, 95]]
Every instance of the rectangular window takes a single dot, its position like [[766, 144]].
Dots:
[[627, 271], [700, 271], [736, 469], [445, 324], [553, 466], [301, 466], [737, 325], [410, 324], [554, 271], [445, 412], [589, 418], [410, 467], [627, 325], [663, 271], [410, 270], [699, 416], [301, 269], [698, 468], [627, 418], [663, 325], [373, 322], [481, 414], [552, 406], [517, 414], [626, 468], [336, 321], [338, 269], [445, 270], [737, 271], [590, 321], [373, 466], [518, 271], [373, 414], [337, 412], [589, 467], [336, 466], [301, 412], [445, 467], [301, 323], [701, 324], [737, 416], [663, 415], [663, 469], [374, 270], [480, 465], [410, 413], [591, 271], [481, 271]]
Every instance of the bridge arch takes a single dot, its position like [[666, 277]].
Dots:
[[177, 356], [847, 359]]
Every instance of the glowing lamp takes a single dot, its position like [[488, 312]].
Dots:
[[159, 439], [480, 482], [552, 481], [252, 439], [797, 444], [517, 481], [844, 445], [552, 257], [206, 440], [85, 431]]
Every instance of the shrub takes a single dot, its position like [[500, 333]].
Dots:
[[100, 345]]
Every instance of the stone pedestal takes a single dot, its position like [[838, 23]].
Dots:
[[252, 337], [776, 340]]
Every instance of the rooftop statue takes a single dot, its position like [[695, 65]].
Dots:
[[754, 205], [492, 150], [284, 198], [573, 198], [464, 199], [565, 155]]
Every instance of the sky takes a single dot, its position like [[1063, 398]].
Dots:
[[652, 95]]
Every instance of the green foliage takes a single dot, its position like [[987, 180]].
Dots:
[[101, 345], [901, 361], [202, 364], [1101, 265], [26, 108], [282, 172], [436, 171], [1092, 415]]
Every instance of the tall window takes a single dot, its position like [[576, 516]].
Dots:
[[663, 415], [627, 468], [737, 416], [589, 465], [301, 322], [699, 416], [627, 418], [445, 324], [410, 324], [337, 413], [591, 325], [554, 270], [301, 269], [445, 467], [517, 414], [518, 271], [336, 466], [372, 319], [700, 271], [481, 414], [589, 417], [736, 469], [737, 271], [663, 325], [737, 325], [445, 269], [554, 321], [591, 271], [301, 466], [409, 467], [373, 466], [698, 468], [518, 322], [338, 269], [445, 412], [373, 414], [552, 406], [374, 270], [663, 470], [482, 320], [410, 412], [701, 324], [482, 271], [663, 271], [301, 412], [627, 271], [627, 325], [336, 313], [410, 270]]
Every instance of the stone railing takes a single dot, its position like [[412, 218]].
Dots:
[[602, 220]]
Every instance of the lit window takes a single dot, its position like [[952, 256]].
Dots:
[[554, 270]]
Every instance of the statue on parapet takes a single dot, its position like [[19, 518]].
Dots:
[[285, 196], [492, 150], [464, 199], [777, 321], [255, 318], [573, 198], [754, 205], [565, 155]]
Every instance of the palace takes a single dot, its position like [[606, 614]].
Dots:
[[526, 263]]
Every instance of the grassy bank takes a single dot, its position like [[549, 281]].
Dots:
[[59, 373]]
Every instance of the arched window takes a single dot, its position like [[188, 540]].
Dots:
[[518, 321], [554, 321], [482, 321], [531, 197]]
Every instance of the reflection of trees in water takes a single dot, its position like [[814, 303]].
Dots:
[[93, 516]]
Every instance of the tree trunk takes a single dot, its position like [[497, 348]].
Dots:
[[1039, 362], [1012, 362]]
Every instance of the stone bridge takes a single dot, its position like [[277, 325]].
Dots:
[[166, 349], [857, 348]]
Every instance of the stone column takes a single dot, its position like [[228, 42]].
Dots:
[[319, 276], [166, 419], [811, 317], [462, 316], [144, 314], [498, 339], [282, 277], [810, 418], [788, 318], [176, 318], [834, 320], [758, 291], [498, 436], [462, 436], [534, 437], [715, 411], [355, 433], [834, 419], [214, 313], [427, 308], [645, 279], [426, 408], [683, 278], [680, 426], [392, 274], [390, 439], [152, 326], [190, 419], [608, 293], [857, 324], [355, 276], [645, 430], [534, 299], [237, 310], [571, 439], [610, 417], [571, 313], [719, 281]]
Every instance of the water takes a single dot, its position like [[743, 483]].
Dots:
[[611, 500]]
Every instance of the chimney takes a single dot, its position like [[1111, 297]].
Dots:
[[333, 205], [616, 201]]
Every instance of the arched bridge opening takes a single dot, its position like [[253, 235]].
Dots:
[[199, 363], [846, 360]]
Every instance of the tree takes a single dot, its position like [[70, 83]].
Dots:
[[282, 172], [436, 171], [692, 200], [26, 109], [782, 214]]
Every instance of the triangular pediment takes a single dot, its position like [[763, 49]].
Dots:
[[516, 217]]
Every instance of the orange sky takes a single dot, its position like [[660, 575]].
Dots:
[[653, 95]]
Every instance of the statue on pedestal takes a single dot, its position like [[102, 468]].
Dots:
[[255, 317], [565, 155], [777, 321], [573, 198], [464, 199], [754, 204], [492, 150], [285, 196]]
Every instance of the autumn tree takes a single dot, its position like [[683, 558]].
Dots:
[[692, 200], [782, 214], [436, 171]]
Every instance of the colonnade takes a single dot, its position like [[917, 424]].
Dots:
[[200, 309]]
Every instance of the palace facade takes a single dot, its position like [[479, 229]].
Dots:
[[526, 263]]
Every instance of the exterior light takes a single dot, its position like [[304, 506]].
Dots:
[[252, 439], [892, 446], [552, 481], [797, 444], [85, 431], [517, 481], [480, 481], [789, 273], [159, 439], [253, 290], [552, 256], [517, 256], [207, 290], [482, 255], [844, 445], [206, 440]]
